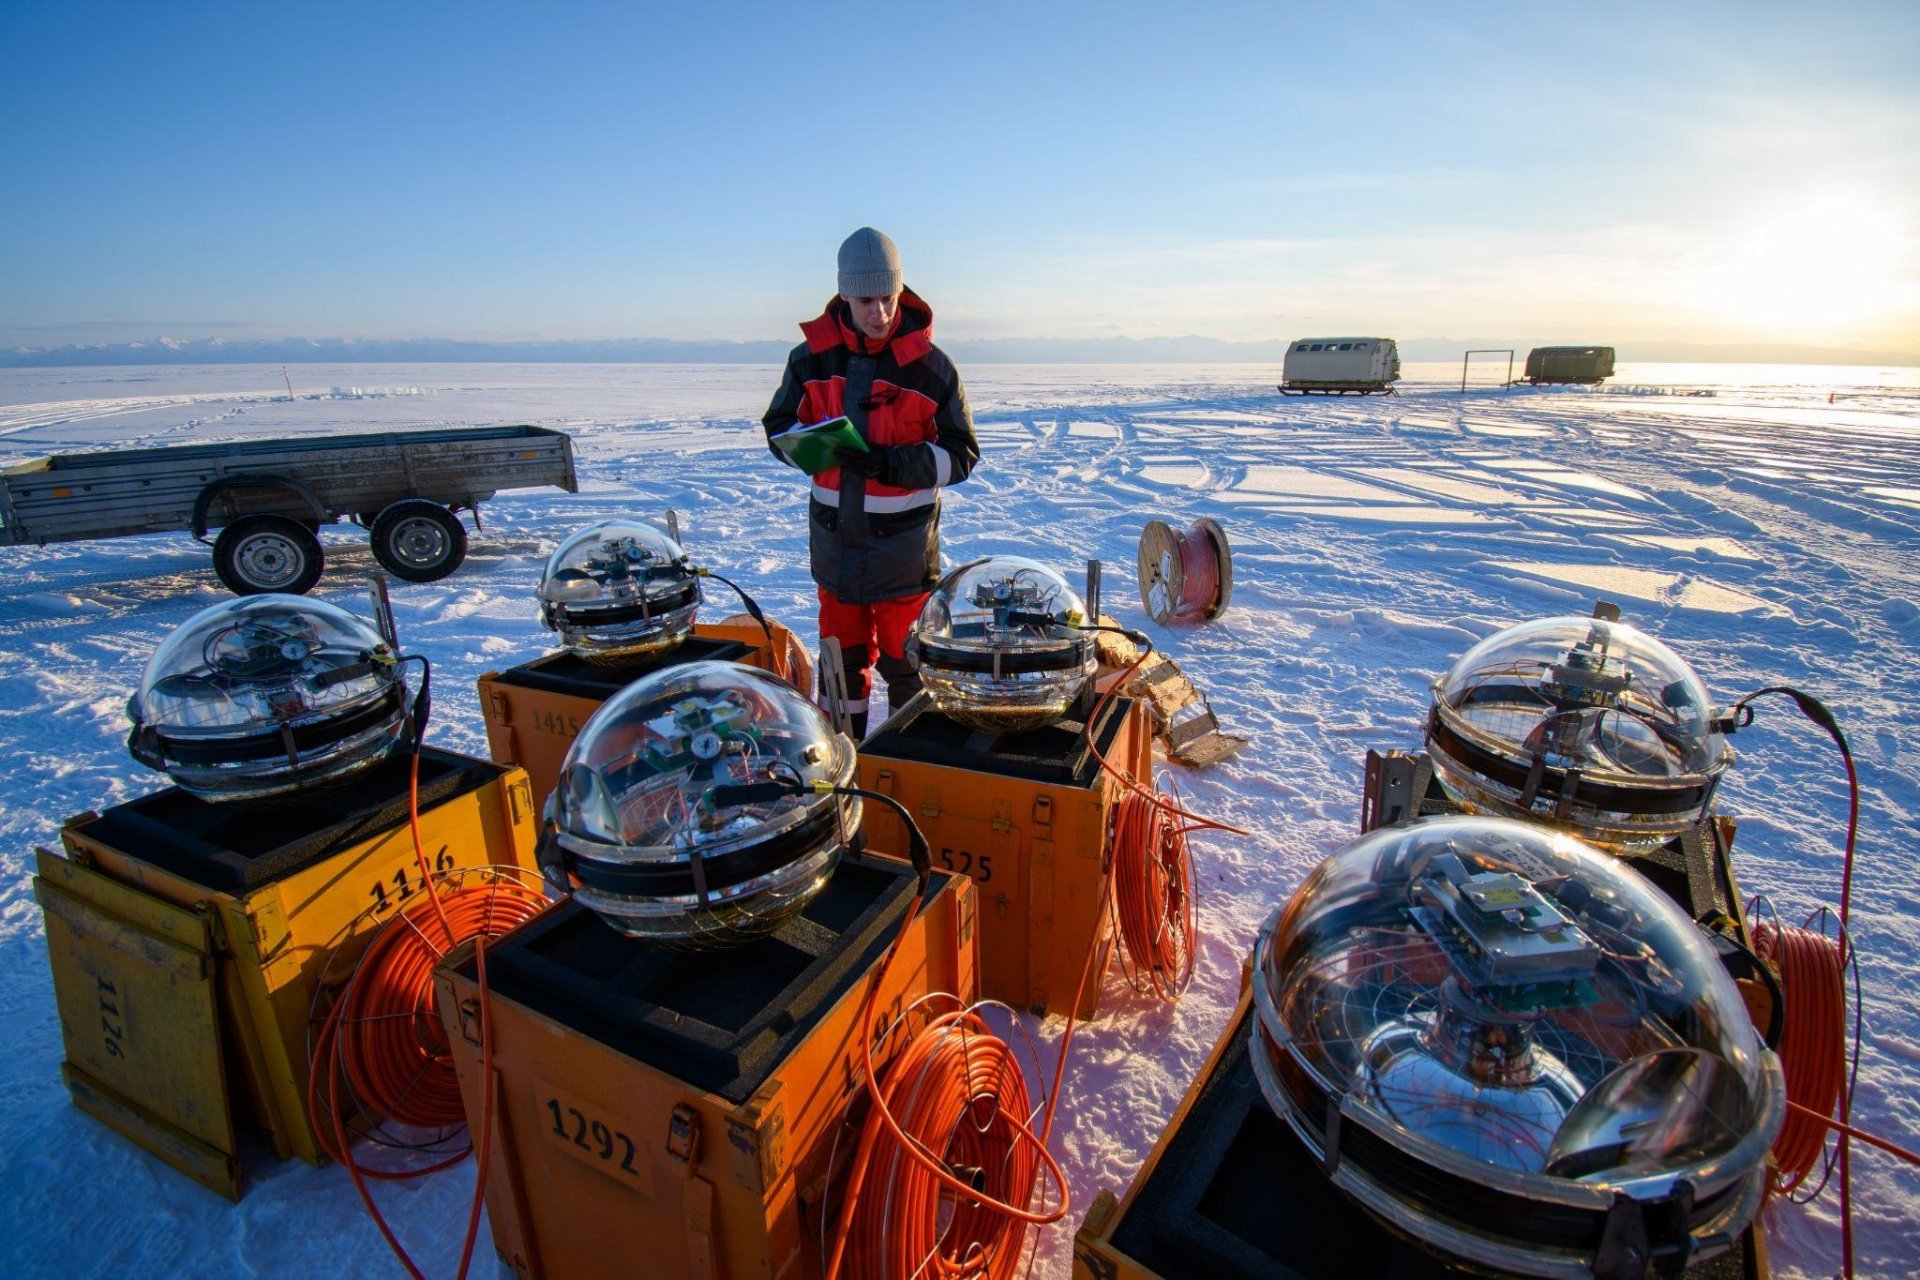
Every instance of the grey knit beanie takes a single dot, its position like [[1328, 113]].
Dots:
[[869, 266]]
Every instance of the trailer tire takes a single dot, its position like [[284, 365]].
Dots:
[[257, 554], [418, 540]]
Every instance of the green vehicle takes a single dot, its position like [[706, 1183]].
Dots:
[[1583, 365]]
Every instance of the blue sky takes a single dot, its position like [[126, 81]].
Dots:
[[1688, 172]]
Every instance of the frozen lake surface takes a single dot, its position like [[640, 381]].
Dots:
[[1763, 520]]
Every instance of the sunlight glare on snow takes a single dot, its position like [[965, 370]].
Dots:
[[1613, 581], [1304, 482], [1174, 477]]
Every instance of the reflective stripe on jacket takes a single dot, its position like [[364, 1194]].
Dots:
[[871, 541]]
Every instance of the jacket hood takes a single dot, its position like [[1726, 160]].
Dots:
[[912, 330]]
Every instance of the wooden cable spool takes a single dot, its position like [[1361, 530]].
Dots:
[[1186, 575]]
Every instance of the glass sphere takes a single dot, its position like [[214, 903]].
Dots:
[[1588, 724], [644, 828], [619, 589], [267, 694], [1513, 1029], [996, 647]]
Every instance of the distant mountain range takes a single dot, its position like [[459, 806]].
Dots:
[[1188, 350]]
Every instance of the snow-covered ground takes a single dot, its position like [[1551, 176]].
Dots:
[[1763, 520]]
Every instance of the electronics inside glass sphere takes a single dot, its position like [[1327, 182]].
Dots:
[[619, 589], [998, 645], [1586, 723], [698, 804], [1490, 1033], [267, 694]]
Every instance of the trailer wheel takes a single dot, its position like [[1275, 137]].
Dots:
[[418, 540], [257, 554]]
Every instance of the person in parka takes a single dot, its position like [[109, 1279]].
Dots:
[[874, 520]]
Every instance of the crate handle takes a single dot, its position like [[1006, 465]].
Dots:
[[683, 1135]]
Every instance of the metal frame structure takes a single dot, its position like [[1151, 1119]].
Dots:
[[1486, 351]]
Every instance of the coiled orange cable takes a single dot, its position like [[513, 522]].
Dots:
[[392, 1050], [1813, 1043], [970, 1104], [1153, 897], [382, 1049], [1152, 874], [1819, 990], [957, 1091], [962, 1100]]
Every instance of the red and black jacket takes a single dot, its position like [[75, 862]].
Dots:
[[872, 541]]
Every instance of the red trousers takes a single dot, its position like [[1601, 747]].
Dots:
[[868, 633]]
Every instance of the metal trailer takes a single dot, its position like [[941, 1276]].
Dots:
[[1335, 366], [1584, 365], [268, 497]]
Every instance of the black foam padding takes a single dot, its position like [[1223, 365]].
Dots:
[[1055, 753], [1235, 1195], [239, 847], [568, 673], [719, 1018]]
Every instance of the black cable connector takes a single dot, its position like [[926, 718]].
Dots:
[[422, 701], [733, 794], [1023, 618], [1741, 714], [919, 852]]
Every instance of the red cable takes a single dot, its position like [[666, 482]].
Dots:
[[993, 1215], [958, 1092], [965, 1099], [1813, 1043], [391, 1048], [1199, 572], [1153, 897], [383, 1040], [1911, 1157], [1815, 711]]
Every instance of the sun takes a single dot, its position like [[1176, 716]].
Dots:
[[1834, 265]]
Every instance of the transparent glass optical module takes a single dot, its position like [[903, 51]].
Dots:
[[264, 695], [996, 645], [619, 589], [641, 827], [1492, 1032], [1586, 723]]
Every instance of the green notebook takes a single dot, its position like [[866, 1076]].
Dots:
[[811, 448]]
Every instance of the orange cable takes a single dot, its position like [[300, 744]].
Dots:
[[1813, 1043], [383, 1041], [932, 1219], [1911, 1157], [924, 1183], [957, 1090], [1152, 869], [1823, 996], [1153, 897]]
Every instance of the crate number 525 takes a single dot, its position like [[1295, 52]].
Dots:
[[977, 865]]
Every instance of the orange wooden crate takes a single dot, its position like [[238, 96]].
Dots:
[[641, 1129], [203, 932], [1029, 818], [534, 711]]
